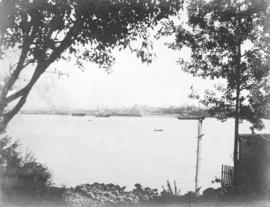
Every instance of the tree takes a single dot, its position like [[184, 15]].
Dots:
[[43, 32], [229, 39]]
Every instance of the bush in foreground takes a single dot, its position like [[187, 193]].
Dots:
[[23, 179]]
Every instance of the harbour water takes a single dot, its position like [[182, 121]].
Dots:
[[127, 150]]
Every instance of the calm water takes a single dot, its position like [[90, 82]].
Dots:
[[126, 150]]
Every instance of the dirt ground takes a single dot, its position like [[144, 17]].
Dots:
[[258, 203]]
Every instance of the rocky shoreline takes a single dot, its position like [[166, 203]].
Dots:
[[102, 194]]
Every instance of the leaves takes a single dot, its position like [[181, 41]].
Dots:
[[107, 23], [228, 38]]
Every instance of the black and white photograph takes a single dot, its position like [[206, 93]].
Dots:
[[135, 103]]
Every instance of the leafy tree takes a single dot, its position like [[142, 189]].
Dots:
[[43, 32], [229, 39]]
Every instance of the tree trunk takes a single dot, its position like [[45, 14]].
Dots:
[[236, 134], [237, 115], [3, 126]]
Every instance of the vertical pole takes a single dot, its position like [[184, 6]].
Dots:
[[198, 156], [222, 177]]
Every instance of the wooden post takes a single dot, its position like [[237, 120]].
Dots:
[[200, 135], [198, 156]]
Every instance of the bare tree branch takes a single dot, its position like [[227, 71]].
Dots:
[[28, 62], [17, 94], [41, 67], [14, 76], [20, 65], [23, 93]]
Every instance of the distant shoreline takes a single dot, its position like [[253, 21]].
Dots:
[[113, 115]]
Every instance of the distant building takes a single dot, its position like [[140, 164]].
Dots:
[[254, 163]]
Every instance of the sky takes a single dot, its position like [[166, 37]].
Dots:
[[161, 83]]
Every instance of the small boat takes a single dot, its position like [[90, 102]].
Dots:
[[158, 130]]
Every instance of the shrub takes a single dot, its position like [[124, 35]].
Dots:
[[145, 194], [22, 176], [170, 194]]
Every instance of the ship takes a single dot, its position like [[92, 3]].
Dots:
[[127, 114], [102, 115], [78, 114], [158, 130]]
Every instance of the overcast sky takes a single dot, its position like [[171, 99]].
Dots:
[[161, 83], [131, 82]]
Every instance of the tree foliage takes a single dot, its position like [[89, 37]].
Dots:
[[46, 31], [230, 39]]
